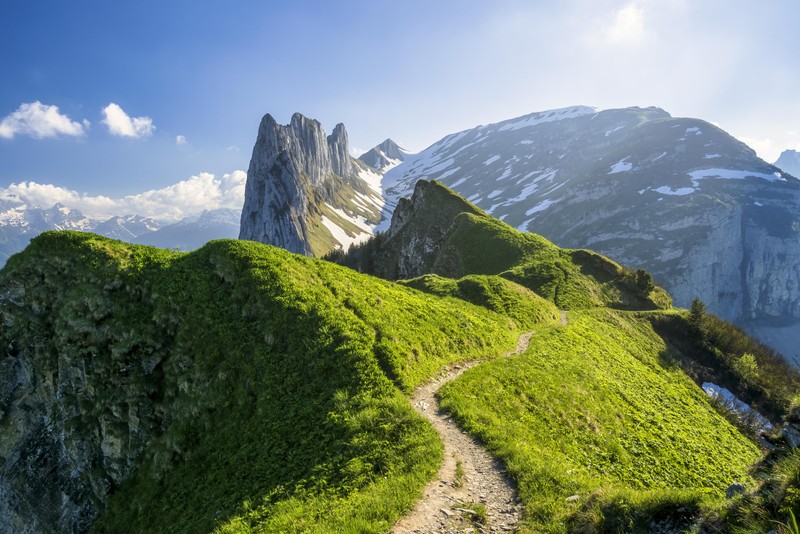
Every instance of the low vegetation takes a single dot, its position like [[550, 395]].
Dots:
[[526, 308], [591, 411], [277, 388], [460, 240]]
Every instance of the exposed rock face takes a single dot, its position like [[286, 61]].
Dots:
[[73, 422], [678, 197], [305, 192]]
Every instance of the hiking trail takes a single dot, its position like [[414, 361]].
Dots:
[[469, 477]]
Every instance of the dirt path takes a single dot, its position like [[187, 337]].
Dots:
[[471, 491], [469, 479]]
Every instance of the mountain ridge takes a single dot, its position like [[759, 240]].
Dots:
[[678, 197]]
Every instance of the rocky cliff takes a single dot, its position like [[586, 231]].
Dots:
[[305, 192], [80, 391], [384, 156]]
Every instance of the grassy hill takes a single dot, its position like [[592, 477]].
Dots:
[[439, 232], [276, 396], [242, 388]]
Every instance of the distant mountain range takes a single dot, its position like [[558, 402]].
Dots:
[[20, 222], [678, 197]]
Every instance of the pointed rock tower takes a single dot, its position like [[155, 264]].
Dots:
[[305, 192]]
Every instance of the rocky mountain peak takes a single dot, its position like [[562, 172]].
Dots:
[[300, 189], [789, 161], [338, 146], [384, 155]]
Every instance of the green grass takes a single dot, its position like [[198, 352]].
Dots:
[[446, 235], [526, 308], [270, 384], [590, 410]]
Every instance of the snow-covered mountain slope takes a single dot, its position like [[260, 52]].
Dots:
[[676, 196], [193, 232], [385, 156]]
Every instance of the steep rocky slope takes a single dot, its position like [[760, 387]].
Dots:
[[305, 192], [678, 197]]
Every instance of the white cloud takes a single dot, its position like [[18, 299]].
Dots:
[[186, 198], [766, 148], [627, 27], [232, 148], [121, 124], [180, 139], [39, 121]]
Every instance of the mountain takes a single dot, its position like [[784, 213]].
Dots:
[[241, 387], [678, 197], [789, 161], [384, 156], [124, 228], [19, 223], [304, 191], [192, 232]]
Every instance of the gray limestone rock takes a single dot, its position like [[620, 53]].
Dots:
[[304, 191]]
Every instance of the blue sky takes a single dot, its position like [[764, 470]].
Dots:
[[128, 79]]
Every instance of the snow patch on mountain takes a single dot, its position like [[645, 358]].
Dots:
[[733, 174], [681, 191], [541, 206], [622, 165], [546, 116]]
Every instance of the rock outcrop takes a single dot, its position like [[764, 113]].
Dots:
[[305, 192], [73, 421]]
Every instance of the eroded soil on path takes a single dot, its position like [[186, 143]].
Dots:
[[471, 492]]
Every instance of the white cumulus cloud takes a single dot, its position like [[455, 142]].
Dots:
[[183, 199], [39, 120], [180, 139], [121, 124]]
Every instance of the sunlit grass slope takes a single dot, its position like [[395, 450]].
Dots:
[[278, 389], [528, 309], [446, 235], [592, 410]]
